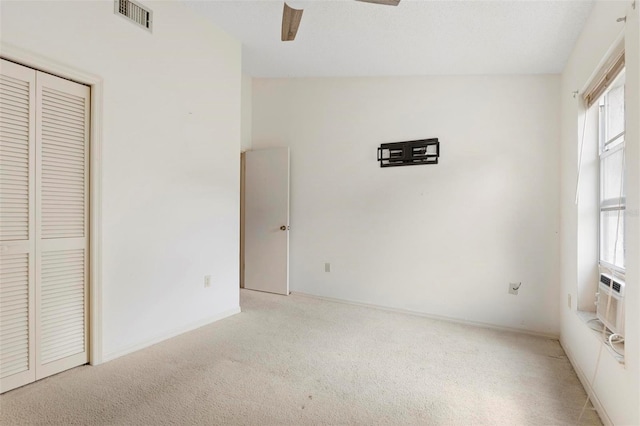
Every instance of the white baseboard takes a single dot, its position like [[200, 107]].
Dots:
[[587, 387], [117, 354], [436, 317]]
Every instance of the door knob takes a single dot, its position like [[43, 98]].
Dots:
[[284, 228]]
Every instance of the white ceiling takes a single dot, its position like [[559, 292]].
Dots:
[[418, 37]]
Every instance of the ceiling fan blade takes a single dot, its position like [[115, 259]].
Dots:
[[290, 22], [385, 2]]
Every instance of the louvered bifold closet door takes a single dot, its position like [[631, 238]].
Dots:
[[17, 233], [62, 134]]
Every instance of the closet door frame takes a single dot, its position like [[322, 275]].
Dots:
[[95, 83]]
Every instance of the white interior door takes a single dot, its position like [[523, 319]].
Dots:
[[62, 135], [44, 135], [266, 258], [17, 230]]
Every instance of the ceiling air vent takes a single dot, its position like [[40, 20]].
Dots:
[[134, 12]]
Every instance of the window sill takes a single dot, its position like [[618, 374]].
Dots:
[[591, 321]]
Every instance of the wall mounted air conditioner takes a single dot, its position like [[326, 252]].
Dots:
[[611, 288]]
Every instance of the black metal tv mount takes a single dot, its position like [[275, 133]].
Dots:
[[410, 153]]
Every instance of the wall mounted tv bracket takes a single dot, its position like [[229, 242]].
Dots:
[[410, 153]]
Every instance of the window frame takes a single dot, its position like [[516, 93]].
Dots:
[[607, 148]]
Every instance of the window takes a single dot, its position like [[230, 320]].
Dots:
[[612, 185], [601, 203]]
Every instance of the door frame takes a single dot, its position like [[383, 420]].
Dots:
[[96, 84]]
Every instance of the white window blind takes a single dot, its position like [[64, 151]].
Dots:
[[605, 77]]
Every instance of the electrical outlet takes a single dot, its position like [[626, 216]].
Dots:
[[514, 287], [207, 281], [327, 267], [569, 300]]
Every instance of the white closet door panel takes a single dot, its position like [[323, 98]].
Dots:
[[62, 153], [63, 194], [62, 304], [17, 232], [17, 96]]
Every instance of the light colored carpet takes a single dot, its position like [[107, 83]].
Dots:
[[297, 360]]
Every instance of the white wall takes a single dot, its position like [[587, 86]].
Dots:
[[440, 239], [616, 388], [171, 142], [247, 111]]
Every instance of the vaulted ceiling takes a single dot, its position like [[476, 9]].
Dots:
[[418, 37]]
